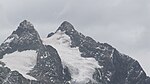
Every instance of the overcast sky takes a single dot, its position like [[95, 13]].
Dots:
[[122, 23]]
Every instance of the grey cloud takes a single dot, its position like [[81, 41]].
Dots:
[[35, 10], [143, 42]]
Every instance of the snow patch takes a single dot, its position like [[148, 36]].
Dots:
[[81, 68], [8, 40], [22, 62]]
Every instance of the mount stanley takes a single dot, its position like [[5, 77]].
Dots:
[[64, 57]]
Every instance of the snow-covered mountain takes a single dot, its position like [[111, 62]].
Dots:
[[64, 57]]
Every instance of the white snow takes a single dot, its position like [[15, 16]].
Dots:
[[22, 62], [8, 40], [81, 68], [112, 53]]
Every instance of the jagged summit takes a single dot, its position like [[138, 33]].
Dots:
[[117, 68], [25, 37], [66, 26], [26, 24], [24, 28], [26, 32]]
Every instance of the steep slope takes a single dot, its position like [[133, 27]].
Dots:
[[81, 69], [114, 67], [25, 60]]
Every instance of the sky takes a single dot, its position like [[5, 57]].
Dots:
[[124, 24]]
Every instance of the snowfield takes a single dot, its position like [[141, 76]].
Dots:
[[81, 68], [22, 62]]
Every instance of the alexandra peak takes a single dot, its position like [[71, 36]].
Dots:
[[64, 57]]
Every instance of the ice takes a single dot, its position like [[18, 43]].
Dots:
[[8, 40], [112, 54], [22, 62], [81, 68]]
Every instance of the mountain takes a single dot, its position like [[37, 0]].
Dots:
[[64, 57]]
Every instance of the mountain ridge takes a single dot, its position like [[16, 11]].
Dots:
[[116, 68], [88, 47]]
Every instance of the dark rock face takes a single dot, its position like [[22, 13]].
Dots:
[[117, 68], [24, 38], [49, 35], [13, 77], [48, 69]]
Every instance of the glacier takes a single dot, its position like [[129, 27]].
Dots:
[[71, 57]]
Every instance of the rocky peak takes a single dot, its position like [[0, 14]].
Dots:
[[25, 27], [24, 38], [66, 26], [26, 33], [25, 24], [117, 68]]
